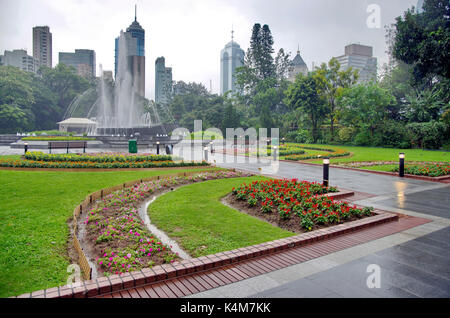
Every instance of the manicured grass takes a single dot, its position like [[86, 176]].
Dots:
[[35, 207], [386, 154], [202, 225]]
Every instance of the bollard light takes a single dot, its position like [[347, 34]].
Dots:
[[211, 143], [206, 153], [157, 147], [326, 167], [401, 165], [25, 147], [275, 152]]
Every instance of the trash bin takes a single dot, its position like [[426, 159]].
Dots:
[[132, 146]]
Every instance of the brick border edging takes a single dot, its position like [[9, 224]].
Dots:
[[106, 285]]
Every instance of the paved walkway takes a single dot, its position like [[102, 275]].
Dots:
[[413, 262]]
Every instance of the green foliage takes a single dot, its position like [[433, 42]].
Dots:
[[427, 135], [422, 40], [331, 80], [303, 95], [29, 101], [364, 107]]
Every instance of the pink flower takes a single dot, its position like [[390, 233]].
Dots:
[[129, 255]]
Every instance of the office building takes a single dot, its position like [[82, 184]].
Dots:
[[20, 59], [132, 42], [360, 57], [42, 45], [163, 81], [82, 60]]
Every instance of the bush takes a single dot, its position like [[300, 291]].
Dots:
[[394, 134], [346, 134], [363, 138], [429, 135], [303, 136]]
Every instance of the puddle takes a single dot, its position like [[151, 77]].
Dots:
[[159, 233]]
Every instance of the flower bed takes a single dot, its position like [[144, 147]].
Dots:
[[117, 235], [55, 138], [96, 157], [331, 153], [295, 206], [430, 170], [97, 161]]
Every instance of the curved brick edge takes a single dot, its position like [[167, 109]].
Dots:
[[105, 285]]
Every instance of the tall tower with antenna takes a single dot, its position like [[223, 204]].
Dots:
[[231, 57], [134, 39]]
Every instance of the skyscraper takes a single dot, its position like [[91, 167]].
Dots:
[[231, 57], [297, 66], [133, 45], [82, 60], [42, 45], [360, 57], [163, 81]]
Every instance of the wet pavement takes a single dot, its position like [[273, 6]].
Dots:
[[418, 268]]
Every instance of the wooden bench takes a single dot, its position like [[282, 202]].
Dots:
[[67, 145]]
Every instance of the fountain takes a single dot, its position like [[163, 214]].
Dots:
[[119, 110]]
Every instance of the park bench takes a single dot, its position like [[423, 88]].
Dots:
[[67, 145]]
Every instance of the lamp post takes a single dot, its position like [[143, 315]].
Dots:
[[211, 143], [25, 147], [157, 147], [401, 165], [206, 153], [326, 167]]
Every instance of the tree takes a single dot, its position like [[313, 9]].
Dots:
[[64, 83], [364, 106], [230, 117], [16, 100], [331, 81], [303, 95], [423, 40]]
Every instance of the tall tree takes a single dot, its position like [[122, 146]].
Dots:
[[331, 81], [365, 106], [303, 96], [423, 40]]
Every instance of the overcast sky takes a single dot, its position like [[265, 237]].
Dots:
[[191, 33]]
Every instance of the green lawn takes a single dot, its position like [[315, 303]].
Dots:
[[34, 209], [386, 154], [202, 225]]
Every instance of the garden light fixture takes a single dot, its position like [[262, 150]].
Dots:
[[401, 165], [326, 168]]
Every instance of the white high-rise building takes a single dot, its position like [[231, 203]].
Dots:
[[231, 57], [20, 59], [360, 57]]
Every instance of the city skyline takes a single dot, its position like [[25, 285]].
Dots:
[[181, 31]]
